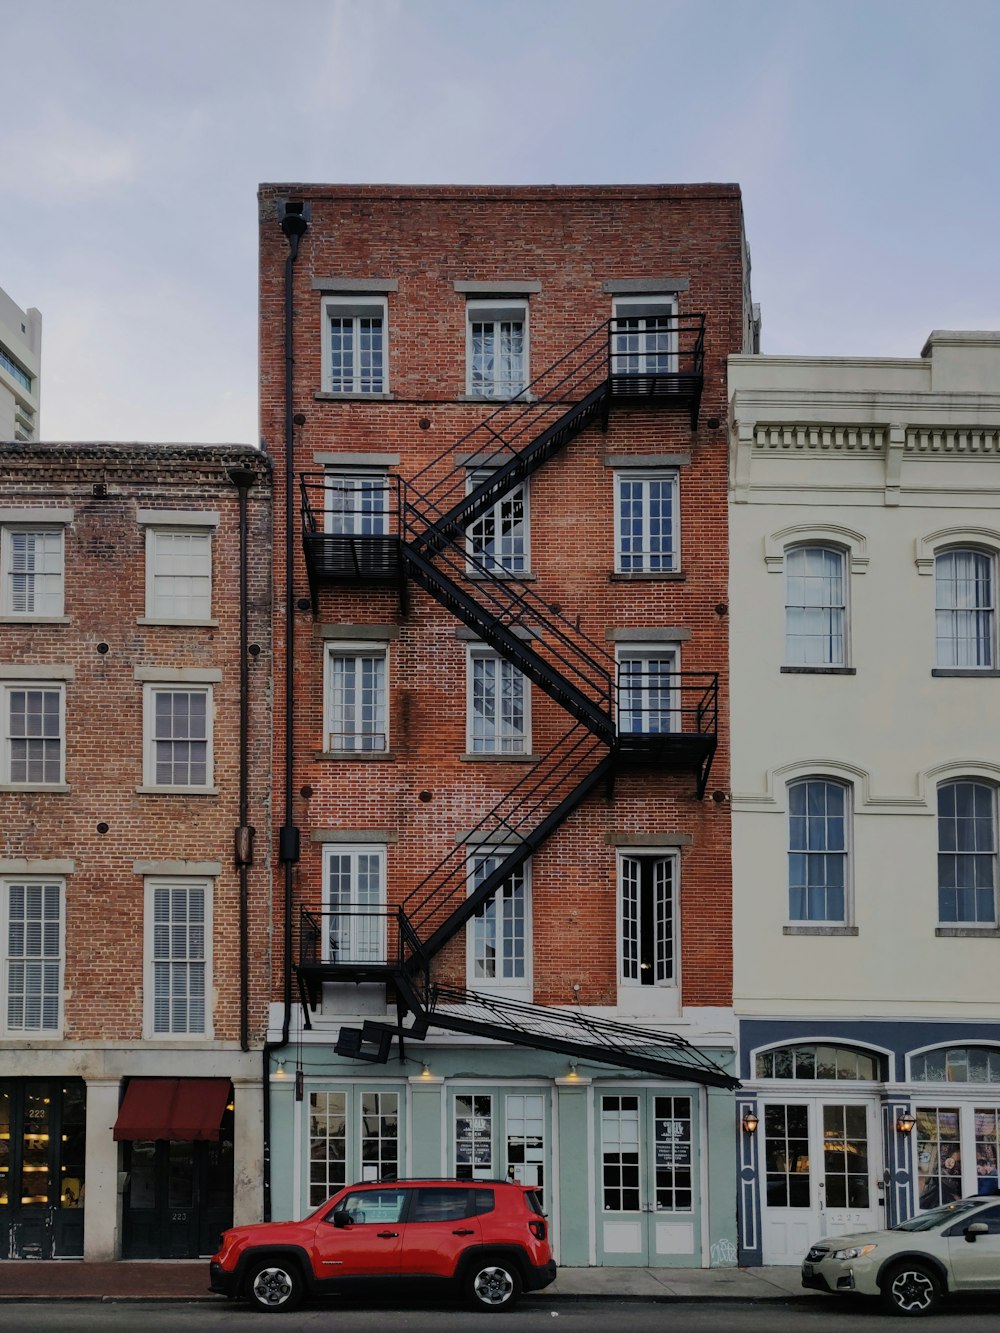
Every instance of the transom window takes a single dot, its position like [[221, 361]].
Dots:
[[498, 705], [648, 919], [646, 522], [967, 852], [31, 957], [964, 609], [644, 336], [957, 1064], [817, 850], [34, 729], [497, 540], [356, 360], [498, 931], [497, 356], [179, 732], [356, 699], [31, 578], [815, 606], [812, 1060], [178, 574], [357, 504]]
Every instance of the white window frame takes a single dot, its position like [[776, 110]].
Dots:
[[965, 922], [7, 689], [356, 308], [519, 986], [496, 311], [8, 882], [155, 572], [357, 522], [640, 360], [56, 608], [358, 651], [629, 955], [478, 558], [649, 561], [152, 886], [796, 645], [365, 943], [520, 743], [646, 652], [846, 854], [956, 646], [150, 690]]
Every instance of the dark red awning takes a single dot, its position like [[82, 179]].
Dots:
[[172, 1108]]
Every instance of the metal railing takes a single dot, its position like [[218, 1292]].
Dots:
[[653, 703]]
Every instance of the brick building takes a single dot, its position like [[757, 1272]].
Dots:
[[502, 840], [133, 916]]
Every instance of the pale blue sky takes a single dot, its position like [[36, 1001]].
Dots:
[[863, 133]]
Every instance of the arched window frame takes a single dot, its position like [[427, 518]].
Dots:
[[880, 1058]]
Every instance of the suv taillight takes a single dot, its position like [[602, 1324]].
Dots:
[[537, 1227]]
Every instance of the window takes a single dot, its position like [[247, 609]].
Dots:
[[646, 522], [327, 1145], [178, 736], [178, 930], [648, 914], [812, 1060], [967, 853], [31, 960], [525, 1118], [356, 709], [957, 1064], [355, 357], [964, 611], [32, 571], [498, 714], [354, 904], [373, 1208], [474, 1137], [815, 606], [497, 348], [497, 540], [644, 337], [357, 504], [178, 574], [647, 680], [620, 1154], [817, 850], [498, 947], [34, 728]]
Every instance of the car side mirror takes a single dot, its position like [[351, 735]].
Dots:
[[975, 1229], [341, 1219]]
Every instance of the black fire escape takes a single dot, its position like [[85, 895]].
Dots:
[[393, 533]]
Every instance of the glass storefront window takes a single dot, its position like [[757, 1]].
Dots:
[[815, 1060], [957, 1064], [939, 1156]]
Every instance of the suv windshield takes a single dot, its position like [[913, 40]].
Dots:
[[938, 1216]]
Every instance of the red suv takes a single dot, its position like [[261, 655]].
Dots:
[[487, 1239]]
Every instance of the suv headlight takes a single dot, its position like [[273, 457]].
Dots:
[[854, 1252]]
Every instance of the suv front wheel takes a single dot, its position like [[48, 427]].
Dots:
[[911, 1288], [274, 1285], [492, 1284]]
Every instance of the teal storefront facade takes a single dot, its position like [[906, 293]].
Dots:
[[632, 1170]]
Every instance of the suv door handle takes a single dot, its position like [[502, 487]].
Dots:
[[386, 1235], [464, 1231]]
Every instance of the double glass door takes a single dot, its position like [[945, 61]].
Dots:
[[42, 1136], [819, 1173]]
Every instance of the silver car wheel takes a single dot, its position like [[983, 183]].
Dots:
[[272, 1286], [493, 1286], [913, 1291]]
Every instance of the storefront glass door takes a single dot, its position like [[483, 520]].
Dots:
[[42, 1134]]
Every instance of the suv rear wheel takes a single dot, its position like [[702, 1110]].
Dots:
[[492, 1284], [911, 1288], [274, 1285]]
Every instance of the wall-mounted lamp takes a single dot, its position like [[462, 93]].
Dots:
[[425, 1070], [750, 1123], [572, 1070], [905, 1122], [280, 1070]]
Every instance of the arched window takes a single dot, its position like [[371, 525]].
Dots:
[[956, 1064], [818, 848], [815, 606], [967, 853], [963, 609], [812, 1060]]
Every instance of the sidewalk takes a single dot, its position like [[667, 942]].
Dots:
[[181, 1280]]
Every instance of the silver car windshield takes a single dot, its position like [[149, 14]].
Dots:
[[938, 1216]]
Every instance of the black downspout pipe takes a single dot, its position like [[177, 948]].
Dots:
[[243, 479], [293, 225]]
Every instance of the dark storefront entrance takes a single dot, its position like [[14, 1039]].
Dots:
[[178, 1158], [42, 1141]]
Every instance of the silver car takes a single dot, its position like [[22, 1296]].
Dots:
[[912, 1266]]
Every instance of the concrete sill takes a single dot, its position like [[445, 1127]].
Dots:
[[354, 756], [177, 621], [818, 671], [35, 620], [819, 930], [644, 576], [498, 758], [57, 787], [325, 397], [969, 673], [967, 932], [177, 791]]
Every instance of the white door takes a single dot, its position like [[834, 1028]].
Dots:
[[819, 1174]]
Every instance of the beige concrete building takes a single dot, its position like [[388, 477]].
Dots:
[[20, 371], [865, 538]]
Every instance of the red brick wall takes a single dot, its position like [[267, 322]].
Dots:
[[571, 241]]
